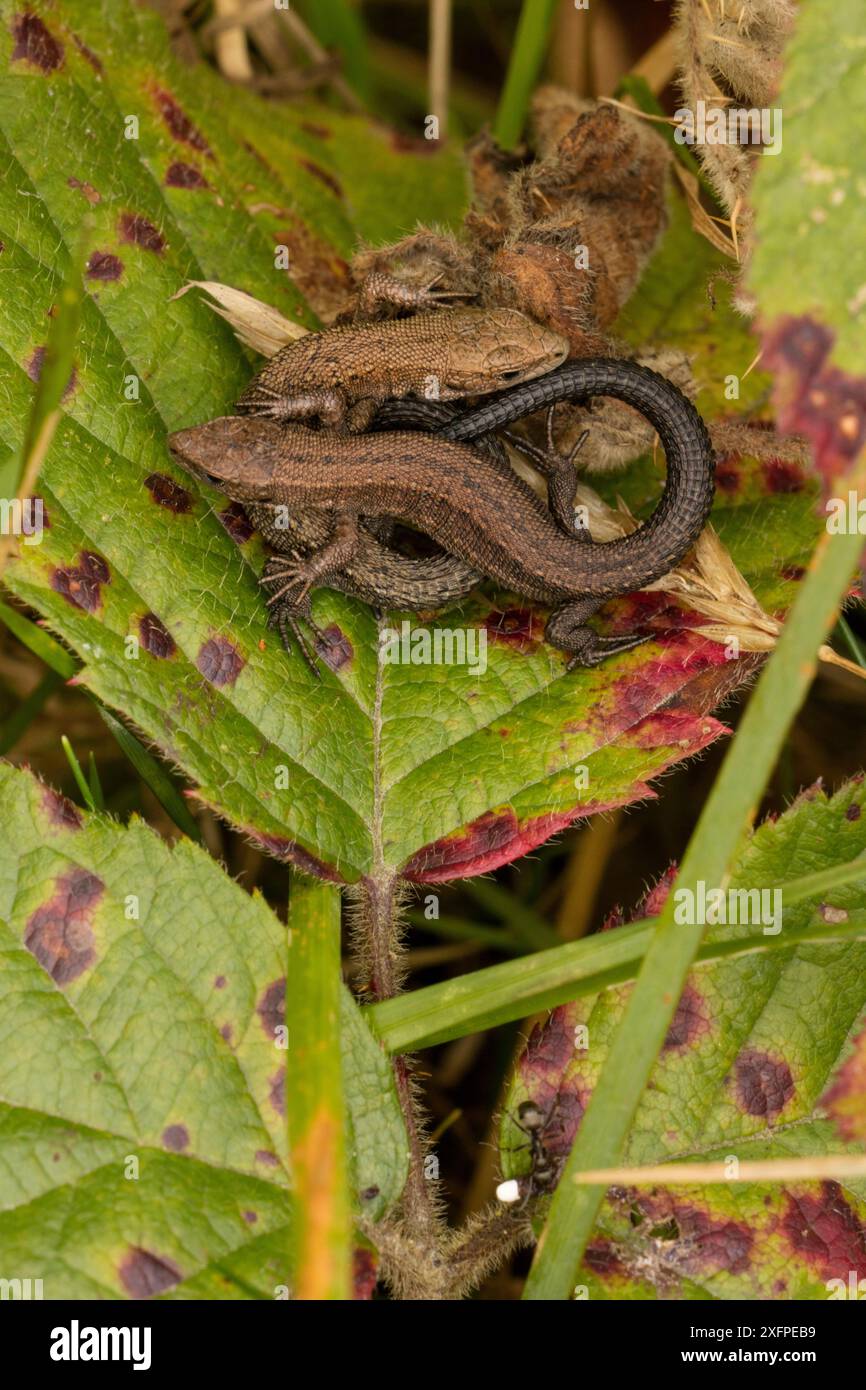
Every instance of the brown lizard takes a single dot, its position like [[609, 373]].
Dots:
[[462, 500], [341, 375]]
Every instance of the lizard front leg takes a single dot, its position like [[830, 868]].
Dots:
[[380, 291], [559, 472], [328, 404]]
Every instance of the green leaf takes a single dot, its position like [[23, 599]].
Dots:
[[142, 998], [809, 268], [810, 256], [762, 1060], [527, 56]]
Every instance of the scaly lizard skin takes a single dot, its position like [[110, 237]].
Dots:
[[462, 500], [341, 375], [377, 573]]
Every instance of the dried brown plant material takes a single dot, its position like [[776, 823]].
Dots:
[[258, 325], [563, 236], [730, 55]]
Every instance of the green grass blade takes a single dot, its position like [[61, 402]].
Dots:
[[95, 784], [39, 642], [527, 56], [315, 1103], [54, 377], [153, 774], [450, 928], [23, 716], [517, 988], [732, 803], [81, 780], [852, 642], [522, 923], [339, 27]]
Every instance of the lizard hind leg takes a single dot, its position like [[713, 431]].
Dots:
[[567, 629]]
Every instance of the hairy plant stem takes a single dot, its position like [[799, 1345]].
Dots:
[[378, 940], [421, 1258]]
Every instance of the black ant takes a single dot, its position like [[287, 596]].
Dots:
[[544, 1167]]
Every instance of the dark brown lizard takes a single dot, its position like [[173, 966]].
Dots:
[[340, 376], [494, 522]]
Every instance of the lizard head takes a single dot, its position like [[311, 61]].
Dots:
[[237, 453], [496, 348]]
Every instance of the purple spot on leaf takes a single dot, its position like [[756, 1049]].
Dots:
[[220, 662]]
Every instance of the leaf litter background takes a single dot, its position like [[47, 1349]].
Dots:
[[432, 770]]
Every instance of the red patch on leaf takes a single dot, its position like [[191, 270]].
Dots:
[[292, 853], [236, 522], [727, 475], [35, 44], [364, 1273], [180, 175], [60, 811], [826, 1232], [764, 1084], [35, 364], [845, 1099], [688, 1023], [498, 836], [81, 584], [652, 902], [853, 812], [87, 54], [413, 144], [602, 1258], [271, 1008], [549, 1049], [102, 265], [324, 176], [144, 1274], [277, 1091], [706, 1245], [60, 933], [269, 1159], [813, 397], [519, 628], [783, 476], [176, 1138], [792, 572], [337, 651], [155, 637], [140, 231], [219, 661], [179, 123], [167, 493]]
